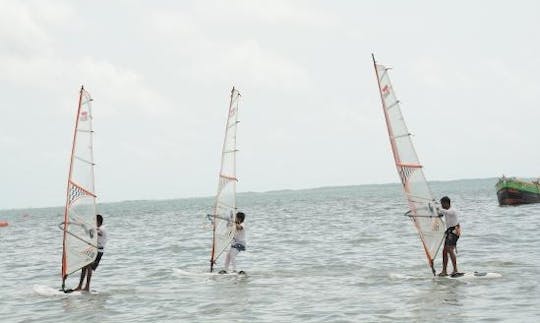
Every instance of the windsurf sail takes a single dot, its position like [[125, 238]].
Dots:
[[423, 209], [79, 226], [225, 205]]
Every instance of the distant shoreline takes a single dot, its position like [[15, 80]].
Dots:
[[249, 193]]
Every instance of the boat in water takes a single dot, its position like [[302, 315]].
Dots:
[[515, 191]]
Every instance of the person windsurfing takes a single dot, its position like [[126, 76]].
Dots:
[[87, 270], [238, 244], [453, 231]]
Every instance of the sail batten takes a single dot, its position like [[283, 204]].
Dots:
[[84, 160], [401, 136], [233, 125], [423, 209], [229, 177], [225, 203], [79, 225]]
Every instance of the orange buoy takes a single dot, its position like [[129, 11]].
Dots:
[[3, 224]]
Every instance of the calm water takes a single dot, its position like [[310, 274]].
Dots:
[[330, 254]]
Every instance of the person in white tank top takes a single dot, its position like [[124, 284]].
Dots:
[[101, 241], [238, 244], [453, 231]]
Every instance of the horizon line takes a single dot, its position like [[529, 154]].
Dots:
[[245, 192]]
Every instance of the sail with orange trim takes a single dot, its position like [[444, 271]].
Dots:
[[423, 209], [79, 225], [224, 213]]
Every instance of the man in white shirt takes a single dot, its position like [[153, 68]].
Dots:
[[453, 231], [238, 244], [101, 241]]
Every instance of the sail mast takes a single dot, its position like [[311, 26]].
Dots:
[[422, 206], [225, 204], [64, 264]]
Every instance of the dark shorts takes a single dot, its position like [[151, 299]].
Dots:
[[239, 247], [451, 239], [95, 264]]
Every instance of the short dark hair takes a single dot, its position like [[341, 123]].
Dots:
[[99, 219], [445, 199], [241, 216]]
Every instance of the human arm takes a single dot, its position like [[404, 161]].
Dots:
[[440, 212], [457, 230]]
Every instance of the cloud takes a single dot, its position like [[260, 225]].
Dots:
[[295, 13], [122, 88], [254, 65], [7, 140], [214, 57], [31, 58], [23, 25], [20, 32]]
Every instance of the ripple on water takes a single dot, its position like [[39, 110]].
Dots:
[[330, 254]]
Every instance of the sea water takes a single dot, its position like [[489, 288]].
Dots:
[[340, 254]]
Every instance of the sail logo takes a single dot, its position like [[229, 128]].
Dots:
[[385, 90], [232, 111], [84, 116], [89, 252]]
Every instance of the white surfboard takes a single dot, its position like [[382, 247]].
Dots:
[[475, 275], [51, 292], [181, 272]]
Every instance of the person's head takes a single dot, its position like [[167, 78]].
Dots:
[[445, 202], [99, 220], [240, 217]]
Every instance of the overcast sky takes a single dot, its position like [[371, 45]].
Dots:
[[160, 73]]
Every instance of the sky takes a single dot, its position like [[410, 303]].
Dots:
[[161, 72]]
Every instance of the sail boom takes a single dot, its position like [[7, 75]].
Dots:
[[62, 227]]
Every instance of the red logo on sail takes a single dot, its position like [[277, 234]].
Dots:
[[84, 116], [385, 90]]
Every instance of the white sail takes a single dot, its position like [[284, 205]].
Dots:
[[79, 226], [225, 205], [422, 206]]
